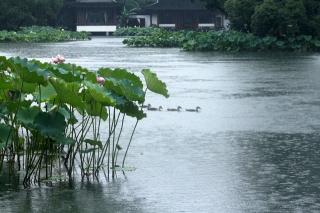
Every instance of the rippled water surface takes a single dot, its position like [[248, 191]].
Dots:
[[255, 146]]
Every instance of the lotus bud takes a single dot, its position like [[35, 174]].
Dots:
[[59, 59], [101, 80]]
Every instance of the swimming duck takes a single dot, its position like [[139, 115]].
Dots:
[[178, 109], [150, 108], [145, 106], [194, 110]]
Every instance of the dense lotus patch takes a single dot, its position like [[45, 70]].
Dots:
[[230, 41], [136, 31], [58, 117], [41, 34]]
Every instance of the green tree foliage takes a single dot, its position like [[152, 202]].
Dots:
[[282, 18], [18, 13], [215, 4], [295, 16], [266, 19], [239, 13]]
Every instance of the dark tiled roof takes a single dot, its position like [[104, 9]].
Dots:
[[177, 5]]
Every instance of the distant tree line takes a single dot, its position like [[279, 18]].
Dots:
[[18, 13], [281, 18]]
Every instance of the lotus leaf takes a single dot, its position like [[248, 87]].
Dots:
[[154, 84]]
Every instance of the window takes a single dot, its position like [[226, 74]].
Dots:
[[219, 22], [96, 17], [205, 18], [167, 18]]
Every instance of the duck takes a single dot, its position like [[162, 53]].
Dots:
[[197, 109], [145, 106], [178, 109], [150, 108]]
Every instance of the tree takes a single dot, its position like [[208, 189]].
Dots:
[[312, 25], [276, 17], [294, 17], [266, 19], [215, 4], [18, 13], [240, 13], [50, 11]]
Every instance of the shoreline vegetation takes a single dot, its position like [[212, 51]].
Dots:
[[229, 41], [56, 118], [42, 34]]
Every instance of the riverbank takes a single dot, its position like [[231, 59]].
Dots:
[[42, 34], [227, 41]]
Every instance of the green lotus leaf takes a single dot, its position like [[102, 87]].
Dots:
[[67, 72], [120, 74], [26, 116], [62, 140], [29, 87], [50, 124], [132, 110], [5, 135], [6, 83], [4, 63], [154, 84], [3, 110], [47, 93], [123, 83], [29, 72], [96, 109], [69, 116], [94, 143], [100, 94], [68, 92]]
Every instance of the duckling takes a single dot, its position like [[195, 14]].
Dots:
[[178, 109], [194, 110], [154, 109], [145, 106]]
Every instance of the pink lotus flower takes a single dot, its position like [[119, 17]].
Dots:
[[101, 80], [59, 59]]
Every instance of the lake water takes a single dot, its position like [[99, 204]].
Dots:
[[255, 146]]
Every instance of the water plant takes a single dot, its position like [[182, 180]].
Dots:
[[57, 117], [230, 41], [41, 34], [136, 31]]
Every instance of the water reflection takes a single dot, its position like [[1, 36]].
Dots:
[[84, 197]]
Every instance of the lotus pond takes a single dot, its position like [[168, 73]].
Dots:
[[254, 147]]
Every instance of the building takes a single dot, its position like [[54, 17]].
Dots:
[[98, 16], [101, 16], [180, 14]]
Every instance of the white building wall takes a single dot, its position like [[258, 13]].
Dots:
[[154, 19], [96, 29]]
